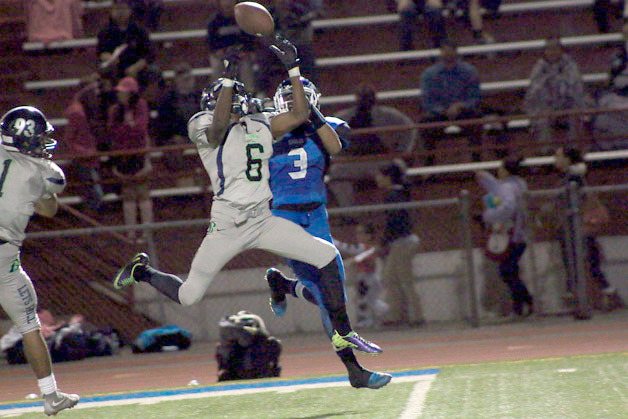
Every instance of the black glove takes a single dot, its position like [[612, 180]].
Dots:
[[231, 60], [285, 51]]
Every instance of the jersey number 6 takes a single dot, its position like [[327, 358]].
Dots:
[[253, 165]]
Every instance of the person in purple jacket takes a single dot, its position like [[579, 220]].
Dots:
[[505, 206]]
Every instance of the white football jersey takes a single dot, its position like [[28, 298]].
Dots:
[[238, 167], [23, 181]]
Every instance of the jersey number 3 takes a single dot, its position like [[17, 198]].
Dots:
[[253, 165], [300, 163]]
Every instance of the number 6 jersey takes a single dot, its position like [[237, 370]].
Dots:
[[238, 167]]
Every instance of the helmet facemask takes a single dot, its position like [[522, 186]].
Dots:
[[240, 103], [283, 96]]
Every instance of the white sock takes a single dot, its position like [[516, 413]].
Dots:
[[47, 385]]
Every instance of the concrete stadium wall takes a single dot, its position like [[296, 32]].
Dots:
[[441, 282]]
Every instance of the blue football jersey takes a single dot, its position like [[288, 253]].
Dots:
[[298, 165]]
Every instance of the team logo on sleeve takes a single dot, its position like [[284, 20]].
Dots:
[[15, 265]]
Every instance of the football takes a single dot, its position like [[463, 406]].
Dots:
[[254, 19]]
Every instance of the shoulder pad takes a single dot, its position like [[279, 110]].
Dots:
[[54, 178], [197, 125]]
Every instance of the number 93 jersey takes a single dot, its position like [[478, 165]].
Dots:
[[238, 167], [23, 181]]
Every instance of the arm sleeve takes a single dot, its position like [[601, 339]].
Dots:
[[430, 96], [489, 182], [197, 126], [54, 179], [474, 94]]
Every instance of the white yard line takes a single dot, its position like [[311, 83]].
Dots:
[[158, 399], [416, 401]]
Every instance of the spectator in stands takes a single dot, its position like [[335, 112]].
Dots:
[[367, 114], [147, 12], [603, 9], [619, 66], [366, 262], [409, 10], [53, 20], [177, 106], [611, 129], [477, 22], [224, 32], [123, 47], [555, 85], [570, 162], [451, 91], [505, 212], [293, 18], [399, 244], [86, 134], [128, 128]]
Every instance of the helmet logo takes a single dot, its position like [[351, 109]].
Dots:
[[25, 127]]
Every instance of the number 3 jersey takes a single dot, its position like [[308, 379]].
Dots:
[[238, 167], [23, 181], [298, 166]]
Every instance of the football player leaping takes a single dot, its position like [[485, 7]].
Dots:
[[297, 169], [235, 141], [29, 183]]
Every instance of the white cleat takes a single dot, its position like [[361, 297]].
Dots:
[[56, 402]]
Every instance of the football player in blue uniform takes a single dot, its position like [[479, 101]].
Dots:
[[297, 169]]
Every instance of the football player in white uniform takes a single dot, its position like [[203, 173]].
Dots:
[[29, 183], [235, 141]]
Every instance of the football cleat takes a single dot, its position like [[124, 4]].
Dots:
[[58, 401], [126, 275], [354, 341], [278, 302], [369, 379]]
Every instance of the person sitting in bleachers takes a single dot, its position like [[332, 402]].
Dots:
[[432, 11], [619, 65], [555, 85], [86, 134], [177, 106], [123, 46], [451, 91], [223, 32], [611, 129], [53, 20], [368, 113], [293, 18], [147, 12]]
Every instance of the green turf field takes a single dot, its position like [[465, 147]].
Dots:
[[578, 387]]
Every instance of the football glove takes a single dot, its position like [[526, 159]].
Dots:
[[231, 60], [285, 51]]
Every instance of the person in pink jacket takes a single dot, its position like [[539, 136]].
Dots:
[[53, 20], [128, 128]]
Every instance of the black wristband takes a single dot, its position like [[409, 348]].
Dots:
[[316, 118]]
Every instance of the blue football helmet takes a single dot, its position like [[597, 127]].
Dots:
[[25, 129], [283, 94], [241, 103]]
